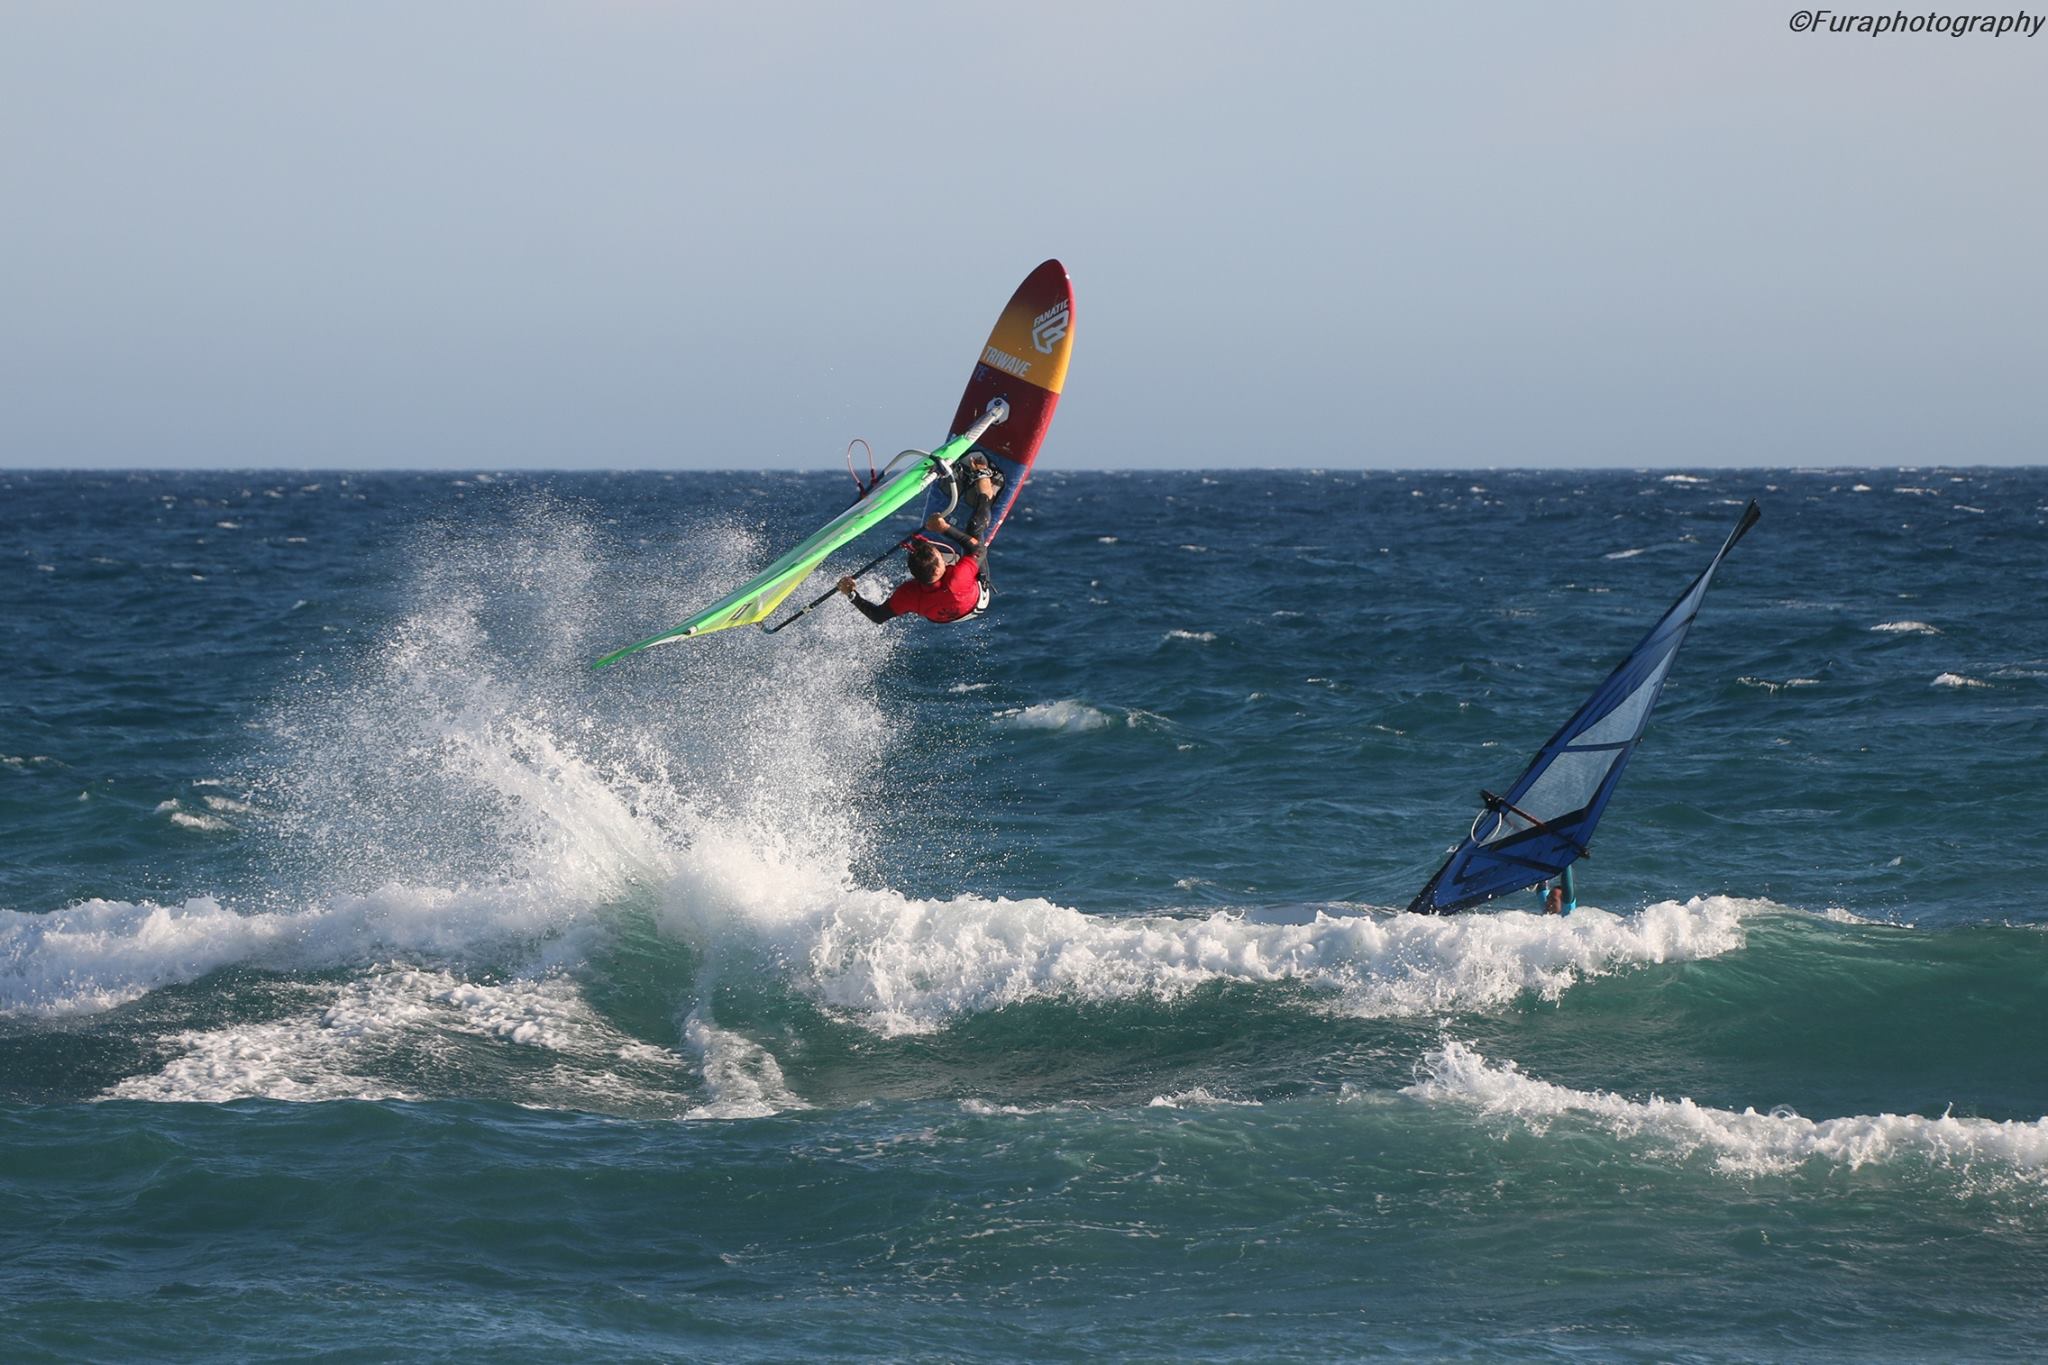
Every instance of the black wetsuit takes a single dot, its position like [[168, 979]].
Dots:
[[878, 612]]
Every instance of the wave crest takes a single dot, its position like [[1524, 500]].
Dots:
[[1747, 1143], [899, 965]]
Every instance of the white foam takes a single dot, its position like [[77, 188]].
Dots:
[[1747, 1143], [1622, 554], [212, 824], [989, 1109], [1198, 1097], [545, 1013], [1200, 636], [335, 1049], [1066, 715], [1957, 680], [295, 1059], [1905, 628], [1770, 686], [101, 954], [743, 1078], [898, 965], [1682, 478]]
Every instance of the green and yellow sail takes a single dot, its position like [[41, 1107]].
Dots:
[[761, 596]]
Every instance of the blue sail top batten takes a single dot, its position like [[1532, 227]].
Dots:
[[1544, 822]]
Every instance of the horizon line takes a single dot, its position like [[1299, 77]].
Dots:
[[757, 471]]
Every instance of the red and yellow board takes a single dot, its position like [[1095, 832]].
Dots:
[[1024, 364]]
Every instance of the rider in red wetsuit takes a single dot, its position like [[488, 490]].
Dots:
[[938, 591], [935, 591]]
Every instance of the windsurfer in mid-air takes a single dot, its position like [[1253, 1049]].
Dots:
[[937, 589]]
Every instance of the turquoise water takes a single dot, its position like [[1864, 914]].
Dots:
[[377, 979]]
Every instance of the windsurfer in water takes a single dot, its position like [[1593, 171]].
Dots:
[[1561, 898], [936, 590]]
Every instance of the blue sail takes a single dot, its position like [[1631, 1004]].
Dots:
[[1542, 823]]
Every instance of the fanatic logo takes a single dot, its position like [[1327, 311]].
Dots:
[[1049, 327]]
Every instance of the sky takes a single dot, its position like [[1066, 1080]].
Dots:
[[643, 234]]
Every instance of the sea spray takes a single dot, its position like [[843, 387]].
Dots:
[[466, 794]]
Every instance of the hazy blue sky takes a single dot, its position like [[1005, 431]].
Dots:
[[665, 235]]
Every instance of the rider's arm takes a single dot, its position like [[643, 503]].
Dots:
[[878, 612]]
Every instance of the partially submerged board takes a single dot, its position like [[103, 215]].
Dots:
[[1025, 365]]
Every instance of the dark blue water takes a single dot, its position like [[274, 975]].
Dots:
[[376, 979]]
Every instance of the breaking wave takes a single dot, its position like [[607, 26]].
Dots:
[[895, 964], [1745, 1143]]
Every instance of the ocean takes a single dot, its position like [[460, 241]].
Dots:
[[378, 980]]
